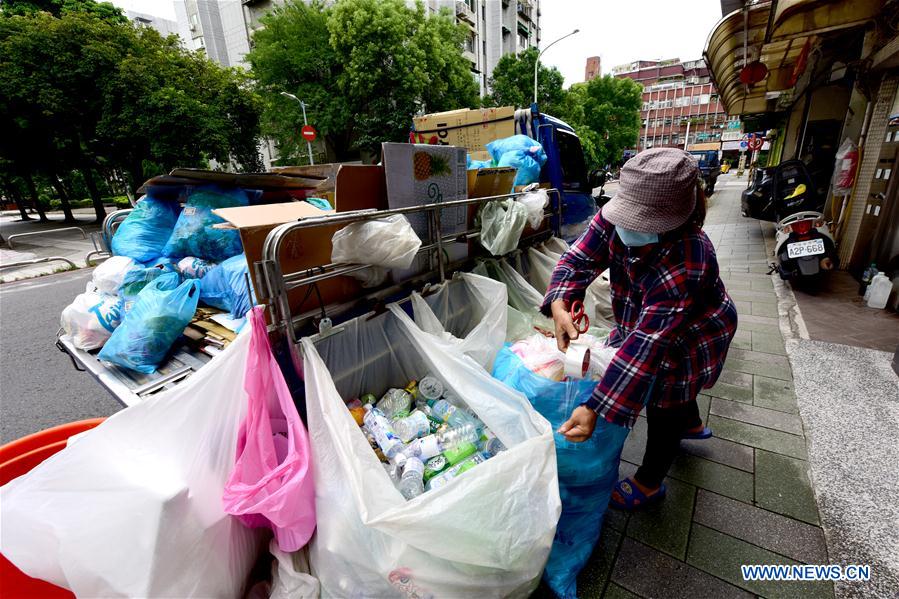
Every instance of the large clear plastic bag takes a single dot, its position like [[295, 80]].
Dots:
[[145, 231], [587, 471], [485, 534], [155, 321], [845, 168], [502, 222], [388, 242], [524, 301], [195, 233], [133, 508], [91, 319], [108, 277], [466, 314]]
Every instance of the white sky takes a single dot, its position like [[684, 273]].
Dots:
[[159, 8], [621, 31]]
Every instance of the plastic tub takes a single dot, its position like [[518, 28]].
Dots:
[[17, 458]]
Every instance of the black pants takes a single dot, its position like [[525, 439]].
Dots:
[[665, 428]]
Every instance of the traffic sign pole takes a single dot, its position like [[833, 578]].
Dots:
[[305, 123]]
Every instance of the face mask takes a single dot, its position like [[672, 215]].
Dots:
[[635, 238]]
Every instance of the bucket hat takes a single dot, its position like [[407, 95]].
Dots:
[[656, 191]]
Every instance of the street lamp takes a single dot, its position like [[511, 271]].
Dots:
[[303, 106], [537, 62]]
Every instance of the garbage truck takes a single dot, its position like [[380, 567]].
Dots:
[[565, 168]]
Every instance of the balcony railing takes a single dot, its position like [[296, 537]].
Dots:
[[524, 9]]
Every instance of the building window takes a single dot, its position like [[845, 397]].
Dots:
[[664, 140], [695, 100], [646, 105], [522, 40], [682, 101], [704, 99]]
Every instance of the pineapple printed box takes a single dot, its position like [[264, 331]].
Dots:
[[424, 174]]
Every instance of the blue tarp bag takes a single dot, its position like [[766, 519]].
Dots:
[[522, 153], [225, 287], [144, 233], [587, 471], [194, 234], [154, 323]]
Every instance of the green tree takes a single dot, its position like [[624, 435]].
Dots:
[[512, 83], [363, 68], [610, 109], [102, 10], [167, 107]]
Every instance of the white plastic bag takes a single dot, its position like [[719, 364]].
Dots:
[[556, 245], [109, 275], [524, 300], [134, 508], [485, 534], [91, 319], [540, 269], [467, 314], [535, 202], [290, 575], [502, 222], [597, 298], [389, 242]]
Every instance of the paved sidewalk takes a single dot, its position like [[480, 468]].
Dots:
[[65, 244], [744, 496]]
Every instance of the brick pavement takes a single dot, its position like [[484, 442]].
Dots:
[[742, 497]]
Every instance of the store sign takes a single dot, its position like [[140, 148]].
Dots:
[[731, 136], [730, 145]]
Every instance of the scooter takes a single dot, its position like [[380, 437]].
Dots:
[[804, 246], [598, 178]]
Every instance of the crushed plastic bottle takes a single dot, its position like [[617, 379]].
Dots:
[[445, 477], [490, 444], [455, 417], [380, 428], [432, 445], [368, 398], [394, 403], [411, 483], [413, 426], [435, 466]]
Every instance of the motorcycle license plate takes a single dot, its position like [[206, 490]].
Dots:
[[800, 249]]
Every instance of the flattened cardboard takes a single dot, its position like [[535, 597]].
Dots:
[[469, 129], [486, 182]]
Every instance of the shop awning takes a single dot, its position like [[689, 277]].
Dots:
[[780, 34]]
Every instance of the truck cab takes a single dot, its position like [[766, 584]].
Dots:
[[565, 168]]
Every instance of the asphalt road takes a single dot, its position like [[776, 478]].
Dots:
[[39, 388]]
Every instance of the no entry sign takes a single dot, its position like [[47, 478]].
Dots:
[[756, 142], [308, 132]]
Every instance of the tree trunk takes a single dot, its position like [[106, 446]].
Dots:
[[95, 193], [137, 175], [63, 198], [16, 196], [35, 198]]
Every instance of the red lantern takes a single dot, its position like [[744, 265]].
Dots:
[[753, 73]]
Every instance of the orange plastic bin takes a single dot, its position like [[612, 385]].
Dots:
[[16, 459]]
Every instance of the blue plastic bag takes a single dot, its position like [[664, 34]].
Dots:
[[137, 278], [194, 234], [154, 323], [144, 233], [522, 153], [477, 164], [225, 287], [587, 471]]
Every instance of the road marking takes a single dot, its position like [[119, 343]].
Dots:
[[14, 286]]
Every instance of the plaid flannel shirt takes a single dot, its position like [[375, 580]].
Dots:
[[674, 319]]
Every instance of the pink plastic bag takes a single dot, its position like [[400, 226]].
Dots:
[[271, 484]]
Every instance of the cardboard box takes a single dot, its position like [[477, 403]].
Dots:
[[469, 129], [419, 174], [486, 182], [356, 187]]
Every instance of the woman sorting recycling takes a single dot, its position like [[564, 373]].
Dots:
[[674, 319]]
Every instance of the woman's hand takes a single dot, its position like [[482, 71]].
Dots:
[[579, 427], [565, 330]]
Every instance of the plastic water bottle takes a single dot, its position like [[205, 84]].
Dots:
[[490, 445], [444, 478], [395, 402], [450, 414], [426, 448], [430, 388], [880, 289], [412, 480], [380, 428], [412, 426]]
